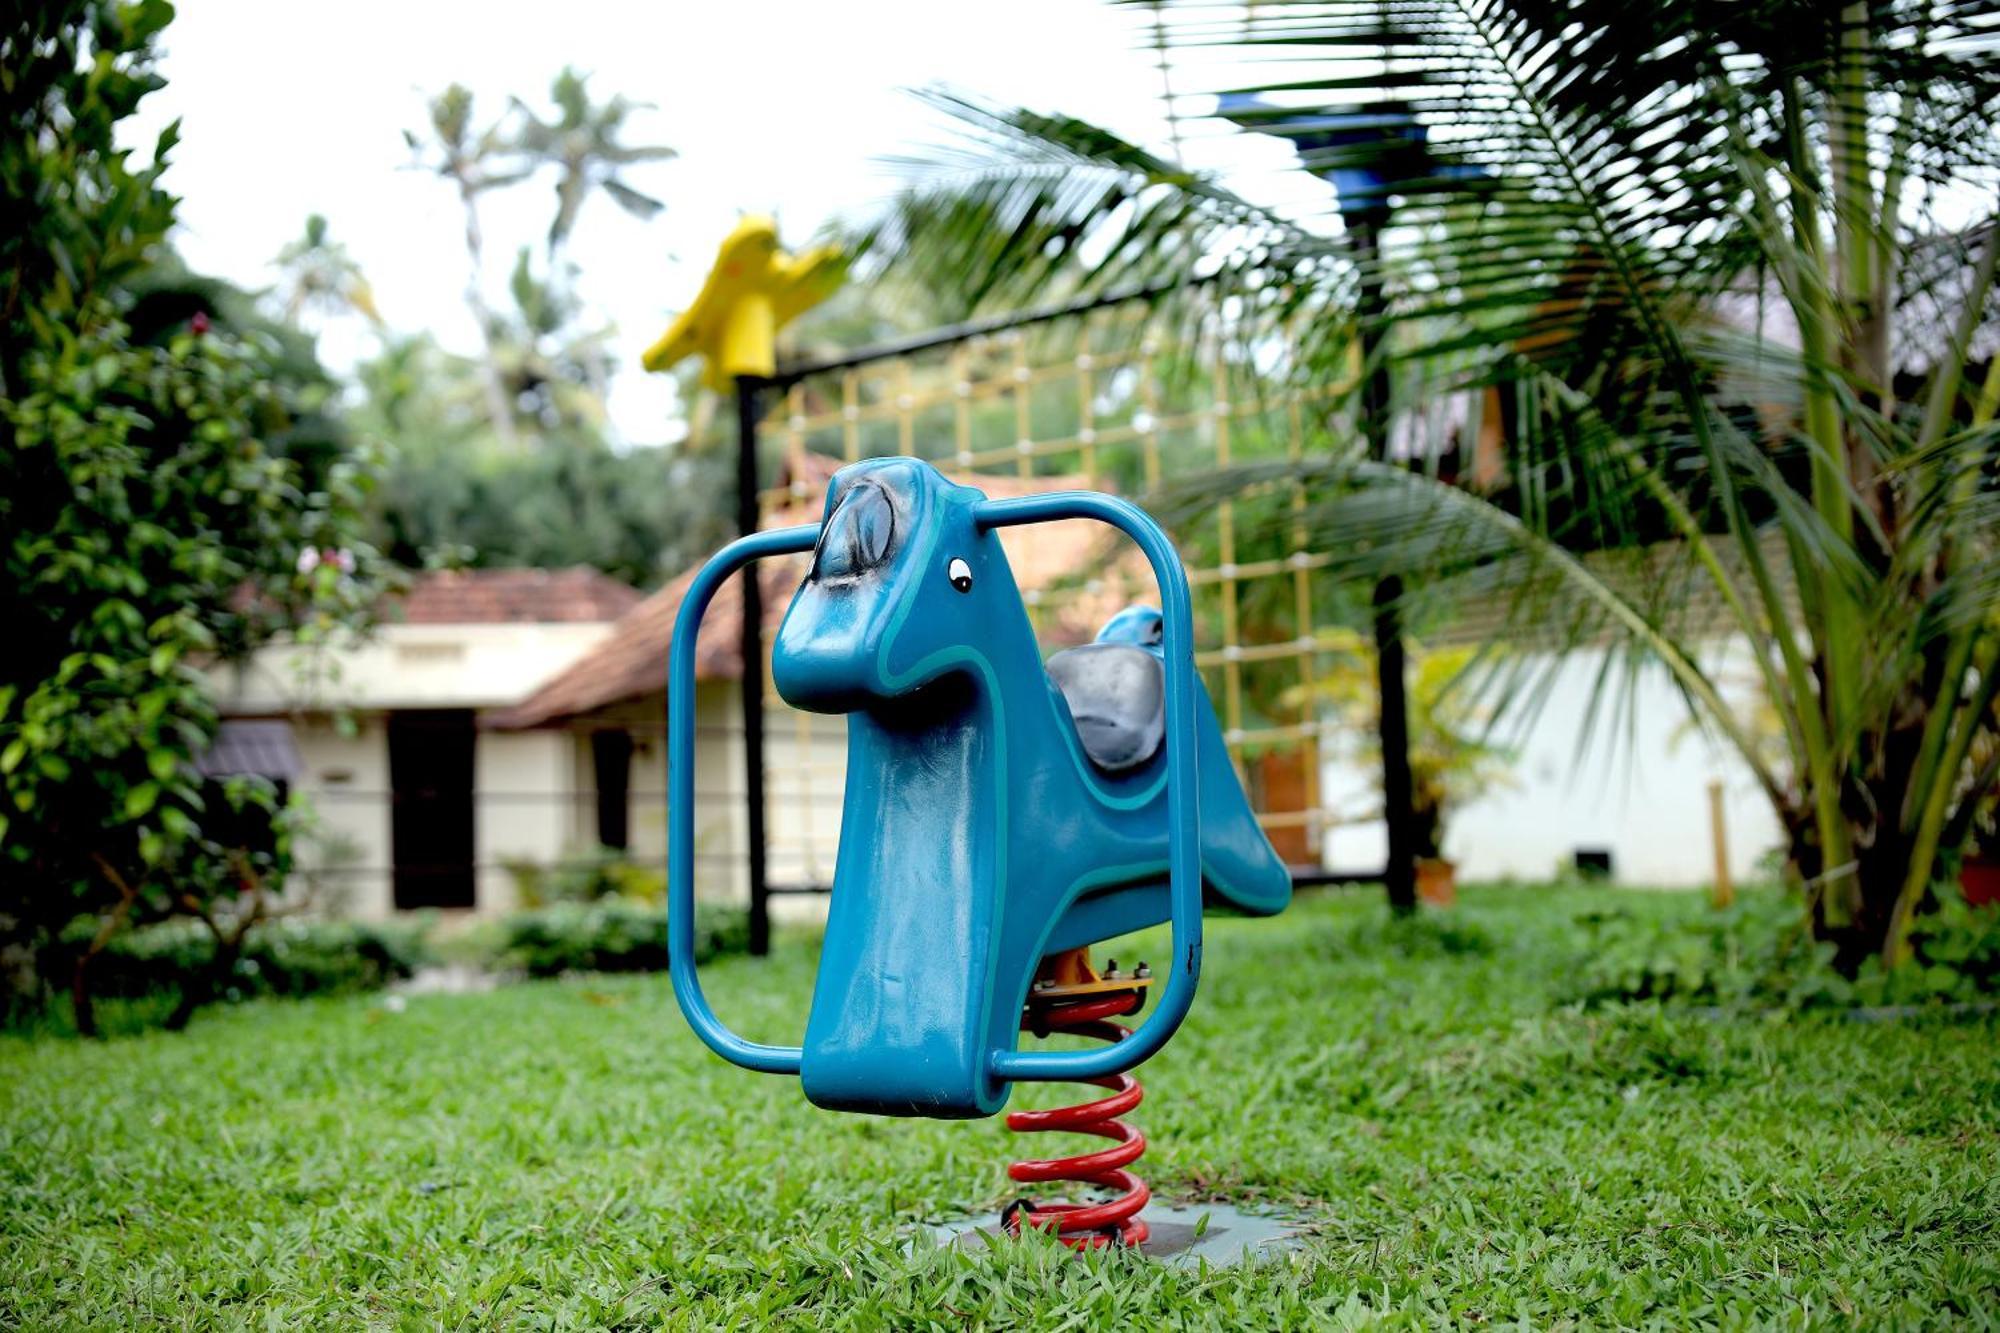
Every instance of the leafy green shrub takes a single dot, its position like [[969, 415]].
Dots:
[[317, 957], [1956, 952], [601, 872], [1755, 952], [613, 935], [1422, 935], [1759, 953], [288, 957], [151, 519]]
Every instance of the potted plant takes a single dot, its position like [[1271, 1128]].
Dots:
[[1451, 759]]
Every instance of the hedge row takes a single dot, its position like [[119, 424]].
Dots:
[[294, 957], [612, 935]]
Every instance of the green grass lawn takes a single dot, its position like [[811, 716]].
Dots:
[[565, 1154]]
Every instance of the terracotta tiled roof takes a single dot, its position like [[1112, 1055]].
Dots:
[[512, 596], [632, 661]]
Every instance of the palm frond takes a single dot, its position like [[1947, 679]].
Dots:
[[1711, 263]]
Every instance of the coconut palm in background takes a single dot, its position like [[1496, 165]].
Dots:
[[474, 161], [316, 275], [1718, 276], [583, 143]]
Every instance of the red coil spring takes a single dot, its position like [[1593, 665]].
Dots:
[[1086, 1226]]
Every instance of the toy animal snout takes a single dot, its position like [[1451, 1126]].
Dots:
[[825, 659], [858, 537]]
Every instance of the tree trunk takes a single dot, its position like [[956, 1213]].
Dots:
[[80, 1003], [204, 985], [498, 409], [1873, 878], [82, 1007], [196, 990]]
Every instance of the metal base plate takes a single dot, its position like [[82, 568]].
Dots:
[[1231, 1236]]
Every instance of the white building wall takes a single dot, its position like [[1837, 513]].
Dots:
[[346, 780], [720, 872], [648, 827], [805, 778], [805, 761], [1640, 791], [1645, 798], [527, 806], [531, 790], [525, 809], [406, 666]]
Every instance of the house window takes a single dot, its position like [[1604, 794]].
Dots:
[[430, 789], [611, 762]]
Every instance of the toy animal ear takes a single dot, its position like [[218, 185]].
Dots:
[[859, 535], [960, 574]]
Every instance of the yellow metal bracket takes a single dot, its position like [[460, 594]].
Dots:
[[754, 290], [1069, 976]]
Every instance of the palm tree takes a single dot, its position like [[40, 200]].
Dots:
[[1725, 271], [473, 161], [555, 372], [315, 273], [581, 142]]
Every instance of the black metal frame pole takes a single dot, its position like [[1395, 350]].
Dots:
[[790, 373], [1399, 873], [748, 392]]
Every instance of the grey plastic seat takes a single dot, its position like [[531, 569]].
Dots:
[[1117, 695]]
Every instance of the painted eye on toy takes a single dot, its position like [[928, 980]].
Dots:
[[960, 574]]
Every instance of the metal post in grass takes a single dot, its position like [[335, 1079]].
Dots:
[[752, 290], [1723, 893], [749, 393], [1365, 211], [1362, 153]]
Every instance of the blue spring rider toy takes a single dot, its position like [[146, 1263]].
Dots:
[[1001, 814]]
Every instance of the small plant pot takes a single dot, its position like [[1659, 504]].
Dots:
[[1979, 880], [1437, 881]]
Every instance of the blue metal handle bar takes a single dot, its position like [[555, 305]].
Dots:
[[1183, 810], [680, 799]]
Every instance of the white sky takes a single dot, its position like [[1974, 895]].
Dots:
[[290, 109]]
